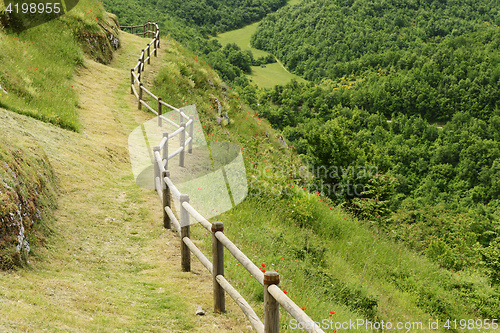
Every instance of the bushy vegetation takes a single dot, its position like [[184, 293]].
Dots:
[[36, 69], [433, 188]]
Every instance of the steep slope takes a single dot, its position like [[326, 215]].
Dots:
[[314, 35], [329, 260]]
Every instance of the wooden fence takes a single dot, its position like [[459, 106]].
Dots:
[[167, 192]]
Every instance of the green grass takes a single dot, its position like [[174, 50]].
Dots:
[[272, 74], [242, 38], [27, 197], [37, 65]]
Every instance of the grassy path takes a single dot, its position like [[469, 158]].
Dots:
[[109, 266]]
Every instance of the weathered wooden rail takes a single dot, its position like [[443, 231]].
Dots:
[[168, 193]]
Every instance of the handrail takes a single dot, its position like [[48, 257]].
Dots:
[[171, 135], [148, 107], [244, 306], [149, 93], [242, 258], [208, 265], [175, 153], [173, 219], [167, 191], [172, 187], [170, 121], [197, 216], [170, 106]]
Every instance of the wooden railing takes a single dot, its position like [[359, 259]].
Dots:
[[168, 192]]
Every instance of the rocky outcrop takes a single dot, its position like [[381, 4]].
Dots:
[[26, 195]]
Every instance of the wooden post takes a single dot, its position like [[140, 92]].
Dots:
[[132, 81], [159, 112], [142, 60], [149, 53], [155, 42], [165, 150], [185, 252], [140, 96], [271, 306], [182, 138], [218, 268], [156, 167], [166, 200], [139, 71], [191, 128], [132, 31]]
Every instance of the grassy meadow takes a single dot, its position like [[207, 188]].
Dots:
[[267, 76]]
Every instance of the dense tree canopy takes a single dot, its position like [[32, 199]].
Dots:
[[313, 36], [209, 16], [417, 181]]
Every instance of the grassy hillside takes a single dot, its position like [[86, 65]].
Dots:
[[210, 17], [36, 69], [107, 265], [385, 74], [315, 35]]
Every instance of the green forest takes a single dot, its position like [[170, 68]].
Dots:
[[209, 16], [409, 89], [311, 38]]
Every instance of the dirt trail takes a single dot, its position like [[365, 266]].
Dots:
[[109, 265]]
